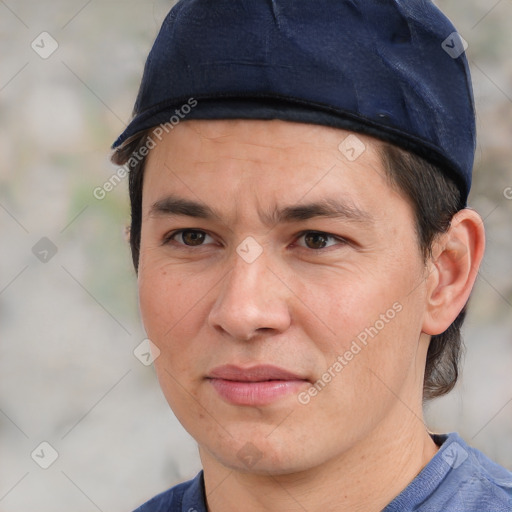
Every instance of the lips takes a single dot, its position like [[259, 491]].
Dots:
[[253, 374], [256, 385]]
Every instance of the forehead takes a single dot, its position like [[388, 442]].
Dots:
[[272, 162], [262, 136]]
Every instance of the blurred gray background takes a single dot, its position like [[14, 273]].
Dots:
[[69, 321]]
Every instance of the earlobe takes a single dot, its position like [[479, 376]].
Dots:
[[456, 258]]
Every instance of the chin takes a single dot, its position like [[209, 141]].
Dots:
[[259, 453]]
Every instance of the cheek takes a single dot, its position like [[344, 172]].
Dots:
[[361, 303], [174, 306], [374, 319], [158, 302], [168, 313], [383, 361], [166, 300], [166, 292]]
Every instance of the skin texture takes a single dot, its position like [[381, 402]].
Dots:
[[361, 439]]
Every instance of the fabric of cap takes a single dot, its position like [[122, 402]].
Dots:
[[379, 67]]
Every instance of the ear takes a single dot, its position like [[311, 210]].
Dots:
[[456, 258]]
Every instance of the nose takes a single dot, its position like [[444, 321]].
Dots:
[[252, 300]]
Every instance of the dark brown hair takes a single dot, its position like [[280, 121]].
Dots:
[[434, 198]]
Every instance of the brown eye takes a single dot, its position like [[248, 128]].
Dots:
[[315, 240], [186, 238], [193, 237], [318, 240]]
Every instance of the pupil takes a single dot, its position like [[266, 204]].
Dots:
[[317, 240], [193, 237]]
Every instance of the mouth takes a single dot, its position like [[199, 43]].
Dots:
[[256, 385]]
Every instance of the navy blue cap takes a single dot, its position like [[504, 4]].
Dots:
[[392, 69]]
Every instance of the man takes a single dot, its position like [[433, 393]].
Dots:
[[299, 174]]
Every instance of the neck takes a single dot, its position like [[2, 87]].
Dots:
[[366, 478]]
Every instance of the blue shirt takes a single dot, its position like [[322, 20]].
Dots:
[[457, 479]]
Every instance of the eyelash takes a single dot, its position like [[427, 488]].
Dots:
[[170, 238]]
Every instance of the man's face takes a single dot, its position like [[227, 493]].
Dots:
[[253, 305]]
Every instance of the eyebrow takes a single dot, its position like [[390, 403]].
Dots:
[[326, 207]]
